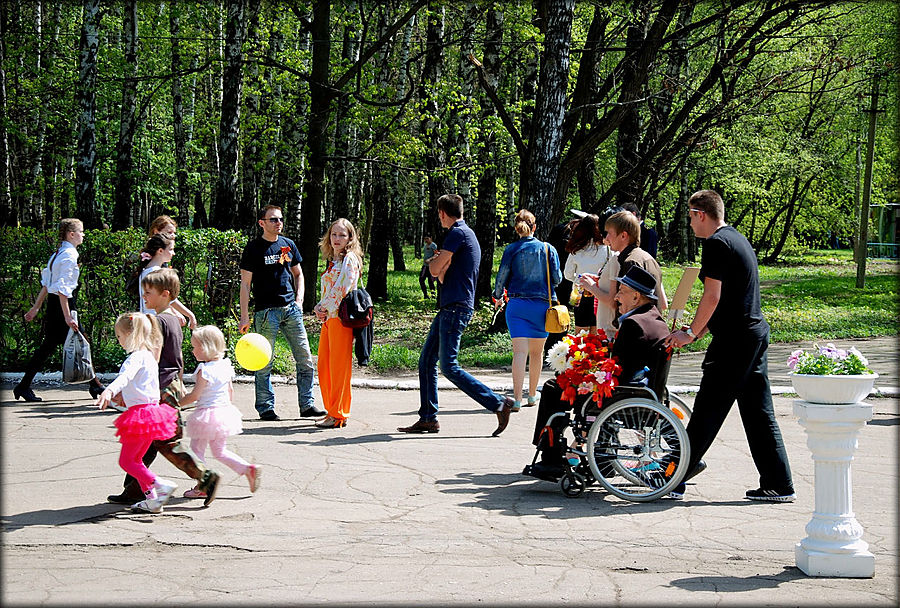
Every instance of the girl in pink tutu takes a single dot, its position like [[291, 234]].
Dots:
[[145, 419], [215, 418]]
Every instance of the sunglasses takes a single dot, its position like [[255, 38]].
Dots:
[[275, 220], [697, 211]]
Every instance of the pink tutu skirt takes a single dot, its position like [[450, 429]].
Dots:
[[154, 420], [213, 422]]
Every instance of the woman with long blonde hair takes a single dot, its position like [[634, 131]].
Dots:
[[341, 249]]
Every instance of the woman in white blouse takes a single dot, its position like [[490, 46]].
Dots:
[[588, 255], [59, 279]]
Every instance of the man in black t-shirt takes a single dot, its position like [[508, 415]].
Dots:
[[270, 265], [735, 366]]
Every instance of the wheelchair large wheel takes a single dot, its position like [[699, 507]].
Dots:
[[638, 450], [681, 409]]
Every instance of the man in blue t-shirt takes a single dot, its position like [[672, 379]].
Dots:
[[270, 266], [735, 366], [456, 267]]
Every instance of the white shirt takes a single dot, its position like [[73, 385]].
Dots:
[[138, 379], [145, 272], [218, 375], [62, 277], [590, 259]]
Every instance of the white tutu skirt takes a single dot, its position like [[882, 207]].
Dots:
[[213, 422]]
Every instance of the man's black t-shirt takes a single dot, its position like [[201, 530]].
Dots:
[[270, 263], [729, 258]]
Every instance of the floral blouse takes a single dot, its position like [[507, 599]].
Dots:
[[340, 278]]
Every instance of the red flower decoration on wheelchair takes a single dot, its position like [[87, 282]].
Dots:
[[584, 366]]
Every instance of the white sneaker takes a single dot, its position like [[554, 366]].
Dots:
[[148, 505], [164, 489]]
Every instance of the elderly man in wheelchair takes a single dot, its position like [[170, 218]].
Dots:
[[633, 445]]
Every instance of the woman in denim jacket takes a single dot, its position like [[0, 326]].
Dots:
[[523, 274]]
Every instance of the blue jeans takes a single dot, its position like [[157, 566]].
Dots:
[[442, 345], [289, 319]]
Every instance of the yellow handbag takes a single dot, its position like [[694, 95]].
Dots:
[[557, 319]]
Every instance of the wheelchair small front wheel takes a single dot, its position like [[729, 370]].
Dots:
[[572, 485], [638, 449]]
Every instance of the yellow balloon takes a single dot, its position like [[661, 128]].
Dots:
[[253, 352]]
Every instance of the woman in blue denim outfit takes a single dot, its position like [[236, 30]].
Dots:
[[523, 273]]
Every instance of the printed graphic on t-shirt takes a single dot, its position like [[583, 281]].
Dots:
[[278, 258]]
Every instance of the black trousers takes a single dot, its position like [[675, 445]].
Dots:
[[424, 274], [736, 369], [55, 333]]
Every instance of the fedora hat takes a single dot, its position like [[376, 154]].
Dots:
[[641, 281]]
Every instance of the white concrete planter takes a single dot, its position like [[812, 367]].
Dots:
[[833, 545], [833, 390]]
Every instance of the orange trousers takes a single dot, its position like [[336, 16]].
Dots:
[[335, 367]]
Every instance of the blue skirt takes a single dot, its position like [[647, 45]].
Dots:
[[525, 318]]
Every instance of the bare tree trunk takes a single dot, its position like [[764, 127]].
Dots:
[[251, 156], [435, 157], [486, 218], [8, 216], [546, 144], [459, 137], [339, 193], [224, 214], [86, 156], [270, 164], [124, 192], [35, 189], [182, 197]]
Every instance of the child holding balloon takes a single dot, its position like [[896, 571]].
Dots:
[[340, 247], [215, 418]]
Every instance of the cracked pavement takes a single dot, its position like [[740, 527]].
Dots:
[[364, 514]]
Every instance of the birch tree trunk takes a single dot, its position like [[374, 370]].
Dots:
[[8, 216], [86, 96], [124, 191], [182, 197], [224, 213], [35, 190]]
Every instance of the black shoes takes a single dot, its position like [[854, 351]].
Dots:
[[786, 495], [545, 471], [209, 483], [96, 389], [125, 498], [312, 412], [269, 416], [25, 393]]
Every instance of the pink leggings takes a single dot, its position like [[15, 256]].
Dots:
[[220, 453], [130, 459]]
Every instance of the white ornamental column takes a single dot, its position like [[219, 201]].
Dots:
[[834, 545]]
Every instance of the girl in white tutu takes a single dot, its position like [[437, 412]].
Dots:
[[215, 418]]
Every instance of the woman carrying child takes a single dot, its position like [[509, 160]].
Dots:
[[215, 418], [340, 247], [145, 419]]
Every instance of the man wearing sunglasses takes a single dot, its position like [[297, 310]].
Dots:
[[270, 268], [735, 367]]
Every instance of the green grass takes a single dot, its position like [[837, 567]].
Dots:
[[807, 297]]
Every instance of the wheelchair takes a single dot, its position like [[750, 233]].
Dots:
[[635, 445]]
